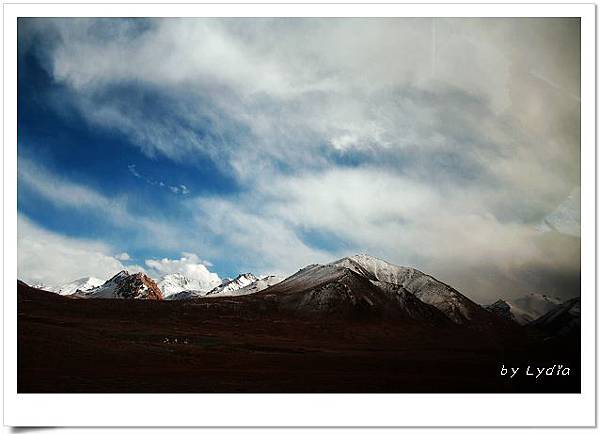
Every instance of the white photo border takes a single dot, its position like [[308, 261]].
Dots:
[[307, 410]]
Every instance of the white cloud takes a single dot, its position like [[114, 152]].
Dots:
[[123, 256], [62, 192], [135, 268], [49, 258], [65, 193], [189, 265], [450, 234], [259, 242], [566, 218], [319, 81]]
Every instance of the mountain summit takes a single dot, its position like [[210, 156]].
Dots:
[[229, 287], [80, 285], [125, 285], [340, 291], [171, 285], [429, 290], [359, 284]]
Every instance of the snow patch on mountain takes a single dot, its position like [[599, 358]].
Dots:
[[260, 285], [563, 320], [525, 309], [185, 295], [125, 285], [536, 304], [508, 310], [83, 285], [229, 287], [337, 290], [176, 283], [452, 303], [244, 284]]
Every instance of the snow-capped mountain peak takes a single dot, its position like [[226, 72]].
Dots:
[[229, 287], [452, 303], [374, 268], [172, 284], [120, 275], [507, 310], [125, 285], [339, 290], [259, 285], [84, 284]]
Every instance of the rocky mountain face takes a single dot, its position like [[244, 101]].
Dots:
[[458, 308], [125, 285], [359, 285], [502, 309], [334, 290]]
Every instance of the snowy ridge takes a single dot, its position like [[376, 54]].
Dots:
[[125, 285], [172, 284], [260, 285], [563, 320], [185, 295], [335, 290], [83, 285], [229, 287], [536, 305], [244, 284], [355, 283], [452, 303], [508, 310]]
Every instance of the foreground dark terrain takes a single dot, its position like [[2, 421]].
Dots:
[[243, 344]]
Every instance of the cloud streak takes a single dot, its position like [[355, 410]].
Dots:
[[176, 189]]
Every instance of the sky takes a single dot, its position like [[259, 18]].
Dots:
[[213, 147]]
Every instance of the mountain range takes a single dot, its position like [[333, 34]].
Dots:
[[355, 285], [355, 325]]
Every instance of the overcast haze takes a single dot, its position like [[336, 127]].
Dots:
[[214, 147]]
